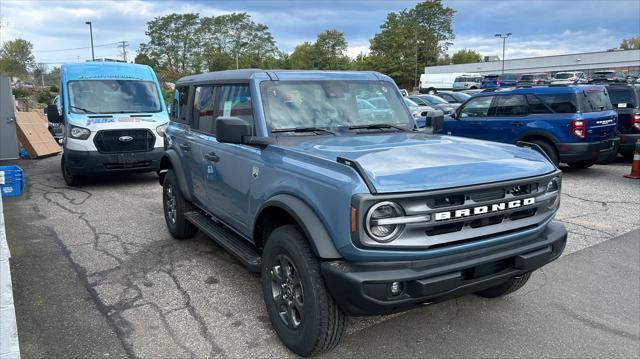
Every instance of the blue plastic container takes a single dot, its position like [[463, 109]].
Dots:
[[13, 181]]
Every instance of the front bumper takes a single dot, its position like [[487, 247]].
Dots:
[[363, 288], [93, 162], [628, 142], [575, 152]]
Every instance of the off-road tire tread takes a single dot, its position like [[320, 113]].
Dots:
[[332, 319], [183, 228]]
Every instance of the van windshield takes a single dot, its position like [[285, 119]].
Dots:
[[331, 104], [113, 96]]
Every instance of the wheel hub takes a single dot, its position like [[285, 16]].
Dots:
[[287, 292]]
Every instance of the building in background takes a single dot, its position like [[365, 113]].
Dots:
[[627, 61]]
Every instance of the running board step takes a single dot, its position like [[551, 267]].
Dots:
[[236, 246]]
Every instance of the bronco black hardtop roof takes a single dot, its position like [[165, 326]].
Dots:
[[245, 75]]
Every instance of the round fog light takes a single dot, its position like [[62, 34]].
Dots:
[[396, 288]]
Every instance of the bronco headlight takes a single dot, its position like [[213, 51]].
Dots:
[[79, 133], [553, 188], [375, 221]]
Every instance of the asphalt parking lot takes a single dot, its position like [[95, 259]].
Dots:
[[96, 274]]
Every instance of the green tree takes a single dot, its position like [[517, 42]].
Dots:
[[632, 43], [411, 39], [465, 56], [16, 57], [302, 57], [328, 51], [173, 42], [144, 59]]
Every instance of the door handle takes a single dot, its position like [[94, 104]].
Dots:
[[185, 147], [517, 123], [211, 156]]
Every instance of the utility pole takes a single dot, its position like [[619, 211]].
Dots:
[[93, 56], [504, 40], [124, 49], [415, 75]]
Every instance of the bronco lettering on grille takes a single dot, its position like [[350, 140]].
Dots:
[[473, 211]]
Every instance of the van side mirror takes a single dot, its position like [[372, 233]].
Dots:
[[52, 114], [232, 130]]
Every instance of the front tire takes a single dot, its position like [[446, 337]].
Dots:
[[72, 180], [175, 206], [432, 91], [505, 288], [302, 312]]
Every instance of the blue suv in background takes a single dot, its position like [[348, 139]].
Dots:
[[496, 81], [571, 124]]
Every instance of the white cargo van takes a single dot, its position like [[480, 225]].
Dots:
[[432, 83]]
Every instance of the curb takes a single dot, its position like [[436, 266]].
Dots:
[[9, 345]]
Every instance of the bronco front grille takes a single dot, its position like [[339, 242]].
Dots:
[[455, 216], [117, 141]]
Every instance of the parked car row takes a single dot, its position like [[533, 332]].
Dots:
[[434, 83]]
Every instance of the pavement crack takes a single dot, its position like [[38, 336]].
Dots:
[[603, 203]]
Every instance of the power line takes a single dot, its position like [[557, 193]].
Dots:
[[80, 48]]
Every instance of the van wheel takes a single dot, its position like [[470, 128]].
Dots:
[[69, 178], [432, 91], [302, 312], [582, 164], [549, 150], [505, 288], [175, 206]]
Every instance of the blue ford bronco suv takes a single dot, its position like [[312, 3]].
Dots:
[[571, 124], [344, 213]]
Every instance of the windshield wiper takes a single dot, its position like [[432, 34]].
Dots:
[[303, 129], [81, 109], [376, 126]]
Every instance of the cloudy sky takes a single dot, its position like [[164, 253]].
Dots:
[[539, 28]]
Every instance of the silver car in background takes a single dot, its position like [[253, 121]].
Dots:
[[467, 82], [569, 78]]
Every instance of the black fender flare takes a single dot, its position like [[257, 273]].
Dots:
[[171, 156], [538, 133], [308, 221]]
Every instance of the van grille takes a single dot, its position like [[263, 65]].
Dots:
[[111, 141]]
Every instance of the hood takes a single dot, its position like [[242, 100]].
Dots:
[[406, 162], [117, 121]]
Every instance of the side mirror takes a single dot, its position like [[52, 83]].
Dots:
[[455, 114], [232, 130], [52, 114]]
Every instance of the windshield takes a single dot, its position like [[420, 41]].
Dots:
[[434, 100], [113, 96], [622, 95], [564, 76], [460, 96], [332, 104]]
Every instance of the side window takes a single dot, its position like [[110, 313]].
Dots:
[[536, 106], [511, 105], [203, 109], [178, 107], [235, 101], [561, 103], [477, 107]]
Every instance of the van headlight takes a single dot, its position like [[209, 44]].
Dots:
[[376, 226], [79, 133], [160, 129]]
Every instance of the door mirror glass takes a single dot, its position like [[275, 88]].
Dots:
[[53, 115], [232, 130]]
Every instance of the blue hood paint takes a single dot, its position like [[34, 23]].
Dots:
[[406, 162]]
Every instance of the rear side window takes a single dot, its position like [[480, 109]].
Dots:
[[623, 97], [178, 110], [536, 106], [561, 103], [595, 100], [203, 106], [235, 101], [511, 105]]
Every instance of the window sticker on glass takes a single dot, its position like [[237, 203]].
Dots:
[[227, 109], [622, 105]]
